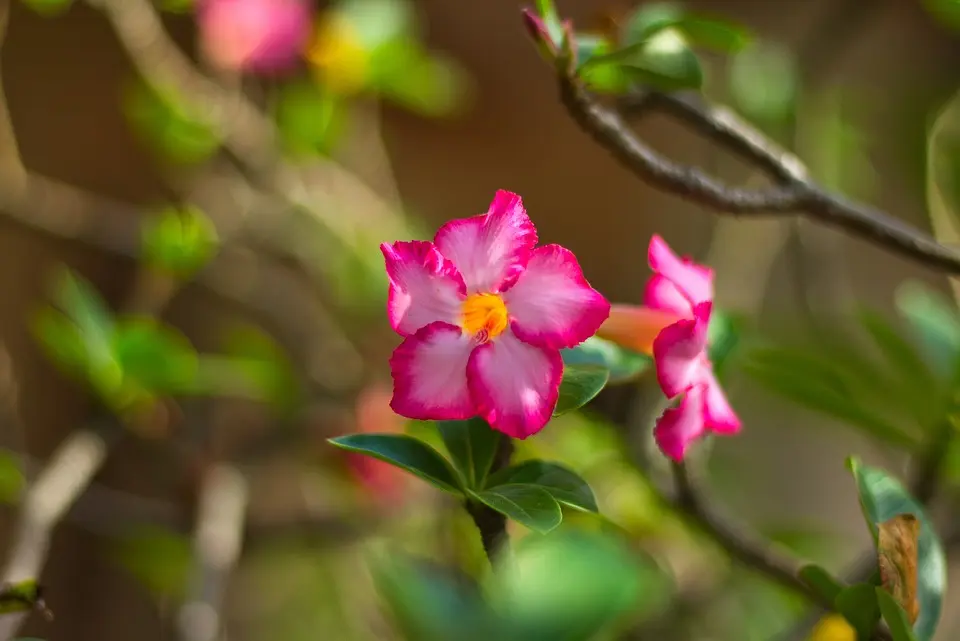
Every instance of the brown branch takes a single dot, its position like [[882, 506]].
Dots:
[[217, 545], [796, 197]]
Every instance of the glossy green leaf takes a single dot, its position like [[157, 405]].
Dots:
[[22, 596], [169, 124], [572, 585], [858, 605], [562, 483], [179, 240], [823, 385], [529, 505], [884, 497], [623, 365], [821, 581], [935, 322], [155, 357], [579, 386], [896, 618], [406, 453], [472, 446]]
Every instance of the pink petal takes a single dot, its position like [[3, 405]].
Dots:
[[552, 304], [661, 293], [636, 327], [430, 374], [492, 249], [424, 286], [681, 425], [694, 281], [679, 352], [718, 414], [514, 385]]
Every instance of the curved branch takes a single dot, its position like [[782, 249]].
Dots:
[[795, 195]]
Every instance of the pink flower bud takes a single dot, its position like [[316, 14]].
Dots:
[[256, 36]]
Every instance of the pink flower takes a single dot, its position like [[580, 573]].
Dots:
[[672, 326], [484, 313], [259, 36]]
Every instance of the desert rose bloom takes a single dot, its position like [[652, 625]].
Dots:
[[484, 314], [259, 36], [672, 326]]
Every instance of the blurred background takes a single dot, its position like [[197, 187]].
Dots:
[[239, 202]]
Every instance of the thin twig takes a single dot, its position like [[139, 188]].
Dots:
[[799, 197], [217, 546]]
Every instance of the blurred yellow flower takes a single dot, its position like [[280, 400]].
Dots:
[[338, 55], [833, 627]]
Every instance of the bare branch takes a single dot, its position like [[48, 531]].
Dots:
[[797, 197], [217, 546]]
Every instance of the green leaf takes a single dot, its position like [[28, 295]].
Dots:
[[404, 452], [723, 338], [579, 386], [61, 339], [22, 596], [714, 33], [921, 388], [529, 505], [650, 19], [895, 617], [159, 559], [573, 585], [623, 365], [666, 63], [179, 240], [425, 83], [821, 385], [310, 120], [935, 322], [428, 605], [562, 483], [858, 605], [821, 581], [155, 357], [169, 124], [49, 8], [11, 478], [764, 82], [472, 446], [882, 498]]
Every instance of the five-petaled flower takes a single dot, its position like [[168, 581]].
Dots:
[[672, 326], [484, 314]]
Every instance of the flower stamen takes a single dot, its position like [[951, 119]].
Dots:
[[484, 316]]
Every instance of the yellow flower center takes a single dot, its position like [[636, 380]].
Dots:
[[484, 316], [339, 56]]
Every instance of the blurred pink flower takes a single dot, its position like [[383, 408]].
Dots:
[[484, 314], [258, 36], [672, 326], [386, 484]]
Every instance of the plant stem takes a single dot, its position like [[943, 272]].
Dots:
[[492, 524]]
